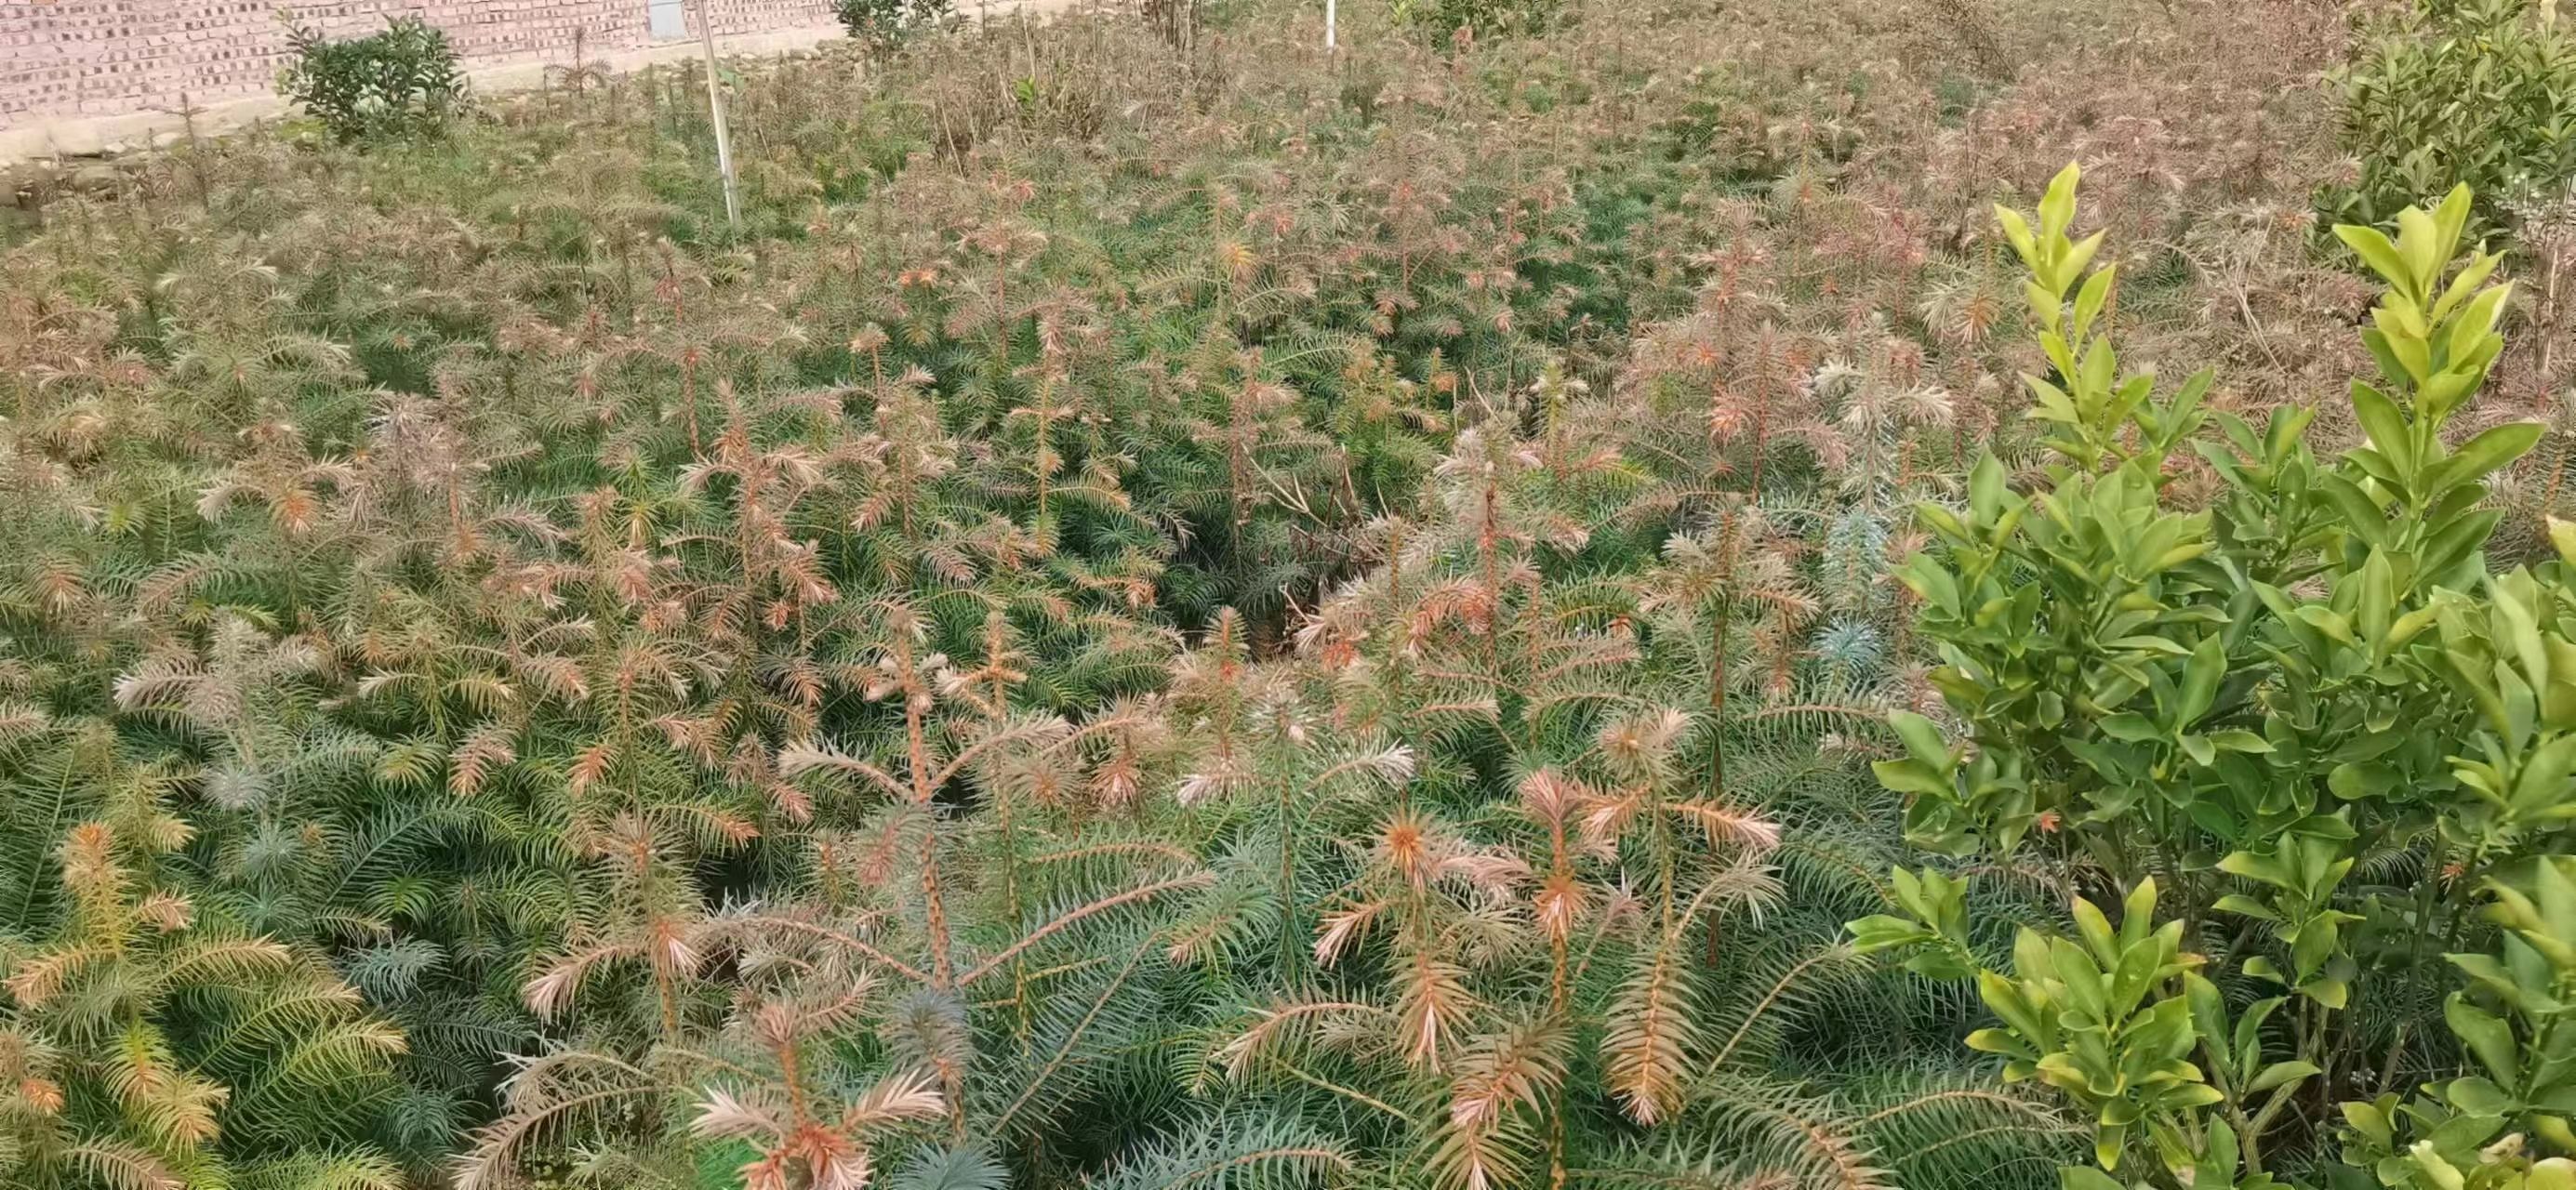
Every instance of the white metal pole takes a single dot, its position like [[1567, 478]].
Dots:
[[1328, 25], [715, 109]]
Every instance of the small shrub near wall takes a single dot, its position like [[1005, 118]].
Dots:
[[404, 81], [1481, 18], [883, 24]]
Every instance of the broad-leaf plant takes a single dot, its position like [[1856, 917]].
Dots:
[[2285, 711]]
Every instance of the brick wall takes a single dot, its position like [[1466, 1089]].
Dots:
[[71, 58]]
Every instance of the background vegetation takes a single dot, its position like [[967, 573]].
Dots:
[[1178, 610]]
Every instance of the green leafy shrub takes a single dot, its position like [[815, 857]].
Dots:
[[1481, 18], [886, 23], [2304, 726], [401, 82], [2474, 92]]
